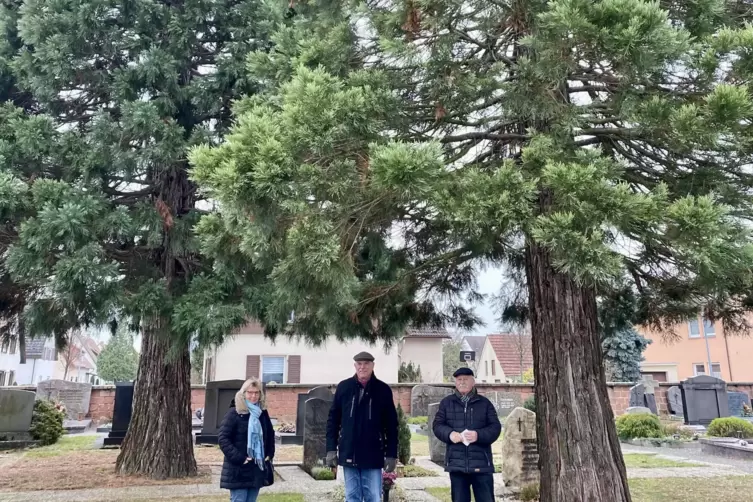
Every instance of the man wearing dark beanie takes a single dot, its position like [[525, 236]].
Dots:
[[467, 422]]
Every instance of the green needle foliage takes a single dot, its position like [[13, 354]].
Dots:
[[95, 190], [400, 146]]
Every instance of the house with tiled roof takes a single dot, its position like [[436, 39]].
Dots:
[[473, 344], [504, 358], [248, 353]]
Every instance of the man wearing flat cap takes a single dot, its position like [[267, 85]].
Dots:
[[362, 431], [467, 422]]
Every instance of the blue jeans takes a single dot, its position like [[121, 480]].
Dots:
[[363, 485], [244, 495]]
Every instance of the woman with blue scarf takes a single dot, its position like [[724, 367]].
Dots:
[[247, 439]]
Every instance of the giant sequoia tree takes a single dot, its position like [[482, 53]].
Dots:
[[128, 87], [587, 145]]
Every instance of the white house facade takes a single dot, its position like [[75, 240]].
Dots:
[[249, 353]]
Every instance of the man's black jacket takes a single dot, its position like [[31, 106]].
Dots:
[[362, 428], [479, 415]]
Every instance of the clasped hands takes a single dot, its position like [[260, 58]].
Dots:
[[467, 436]]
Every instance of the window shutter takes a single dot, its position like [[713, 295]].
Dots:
[[252, 366], [294, 369]]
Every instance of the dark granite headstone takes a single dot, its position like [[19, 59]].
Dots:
[[736, 402], [219, 396], [651, 403], [121, 413], [315, 432], [642, 395], [16, 409], [674, 400], [637, 395], [300, 417], [704, 398]]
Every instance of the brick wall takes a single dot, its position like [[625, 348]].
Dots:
[[282, 399]]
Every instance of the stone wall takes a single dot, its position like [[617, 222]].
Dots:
[[282, 399]]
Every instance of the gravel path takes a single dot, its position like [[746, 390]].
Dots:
[[297, 481]]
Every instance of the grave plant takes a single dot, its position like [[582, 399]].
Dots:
[[129, 87], [730, 427], [47, 422], [583, 147], [403, 436]]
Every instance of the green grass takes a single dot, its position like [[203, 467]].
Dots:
[[64, 445], [633, 460], [726, 489], [420, 420], [419, 445], [416, 471]]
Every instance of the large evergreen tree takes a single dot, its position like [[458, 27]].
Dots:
[[584, 144], [128, 87]]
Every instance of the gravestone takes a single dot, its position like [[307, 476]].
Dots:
[[16, 409], [674, 401], [637, 410], [421, 396], [219, 396], [315, 432], [642, 395], [736, 401], [704, 398], [300, 417], [73, 395], [121, 413], [437, 448], [505, 402], [520, 456]]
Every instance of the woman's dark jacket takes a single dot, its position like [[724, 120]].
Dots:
[[233, 441], [479, 415], [362, 427]]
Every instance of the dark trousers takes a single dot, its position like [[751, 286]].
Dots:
[[483, 487]]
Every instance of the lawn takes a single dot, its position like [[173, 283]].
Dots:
[[650, 461], [727, 489], [65, 444]]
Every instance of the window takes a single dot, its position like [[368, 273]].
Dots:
[[716, 370], [12, 378], [708, 328], [699, 369], [486, 368], [273, 369], [694, 328], [2, 378], [494, 367], [13, 345]]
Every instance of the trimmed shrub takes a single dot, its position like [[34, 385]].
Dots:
[[47, 422], [638, 426], [729, 427], [403, 437], [530, 403], [420, 420]]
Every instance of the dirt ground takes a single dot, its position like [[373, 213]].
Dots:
[[69, 467]]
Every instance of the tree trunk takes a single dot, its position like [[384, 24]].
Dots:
[[579, 453], [159, 441]]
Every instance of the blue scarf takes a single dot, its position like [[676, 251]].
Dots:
[[255, 435]]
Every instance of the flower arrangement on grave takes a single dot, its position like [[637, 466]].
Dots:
[[60, 407], [747, 410], [388, 481]]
